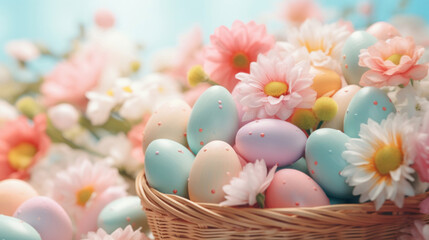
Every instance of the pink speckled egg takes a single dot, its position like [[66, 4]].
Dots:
[[47, 217], [14, 192], [292, 188], [275, 141], [383, 30], [342, 98], [214, 166], [169, 121]]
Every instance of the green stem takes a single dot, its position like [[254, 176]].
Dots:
[[412, 82], [260, 199], [125, 174], [319, 125], [308, 132]]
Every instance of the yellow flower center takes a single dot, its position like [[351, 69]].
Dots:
[[387, 158], [276, 89], [240, 60], [110, 93], [83, 195], [21, 156], [126, 89], [395, 58]]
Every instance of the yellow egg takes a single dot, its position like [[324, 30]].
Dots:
[[169, 121], [326, 82], [13, 192]]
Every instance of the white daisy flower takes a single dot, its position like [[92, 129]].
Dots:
[[252, 181], [118, 234], [324, 43], [7, 113], [380, 160]]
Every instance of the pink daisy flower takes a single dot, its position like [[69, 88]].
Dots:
[[421, 163], [232, 50], [118, 234], [297, 11], [22, 145], [71, 79], [135, 135], [275, 88], [392, 62], [84, 189]]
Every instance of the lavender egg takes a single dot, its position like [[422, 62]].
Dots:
[[275, 141]]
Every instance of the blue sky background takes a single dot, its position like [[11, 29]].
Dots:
[[158, 23]]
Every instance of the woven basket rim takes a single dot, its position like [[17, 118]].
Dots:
[[302, 218]]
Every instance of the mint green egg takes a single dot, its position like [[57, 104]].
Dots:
[[300, 165], [213, 117], [350, 55], [15, 229], [167, 166], [324, 161], [121, 213], [367, 103]]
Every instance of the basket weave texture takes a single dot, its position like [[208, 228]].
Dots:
[[174, 217]]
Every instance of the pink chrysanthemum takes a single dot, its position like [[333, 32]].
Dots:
[[84, 189], [70, 80], [232, 50], [22, 144], [392, 62], [275, 88], [421, 163], [118, 234]]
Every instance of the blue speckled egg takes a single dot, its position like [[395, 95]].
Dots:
[[324, 161], [369, 102], [214, 117], [15, 229], [167, 166], [334, 201], [350, 56], [123, 212]]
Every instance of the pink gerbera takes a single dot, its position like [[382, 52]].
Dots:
[[275, 87], [70, 80], [232, 50], [392, 62], [22, 144]]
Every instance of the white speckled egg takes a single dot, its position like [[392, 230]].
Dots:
[[214, 166], [169, 121], [15, 229], [342, 98], [214, 117], [47, 217], [350, 55]]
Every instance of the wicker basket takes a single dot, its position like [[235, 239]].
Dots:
[[174, 217]]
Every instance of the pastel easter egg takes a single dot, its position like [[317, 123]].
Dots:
[[167, 166], [323, 155], [342, 98], [15, 229], [300, 165], [169, 121], [275, 141], [325, 82], [214, 117], [334, 201], [383, 30], [88, 220], [214, 166], [121, 213], [367, 103], [350, 55], [47, 217], [292, 188], [14, 192]]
